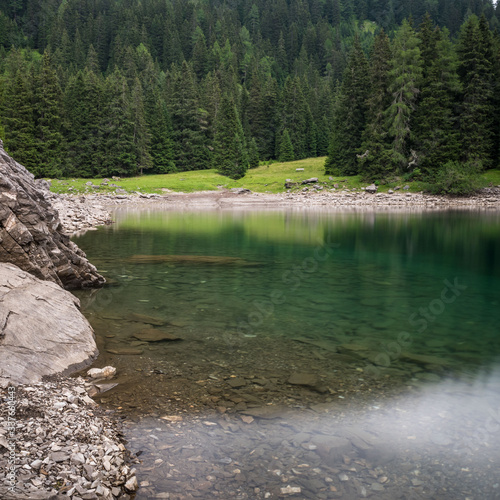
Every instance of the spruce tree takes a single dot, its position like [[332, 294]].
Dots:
[[83, 103], [189, 123], [294, 114], [372, 162], [253, 154], [162, 146], [350, 119], [406, 75], [434, 130], [141, 134], [230, 155], [323, 136], [117, 129], [476, 74], [50, 143], [17, 113], [286, 152]]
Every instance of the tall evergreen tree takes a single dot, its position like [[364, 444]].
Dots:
[[476, 74], [83, 103], [434, 129], [294, 115], [117, 129], [230, 153], [189, 123], [373, 162], [50, 142], [17, 112], [141, 134], [350, 119], [406, 75], [253, 154], [286, 152]]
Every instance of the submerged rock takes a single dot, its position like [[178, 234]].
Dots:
[[31, 235], [308, 379], [148, 320], [185, 259], [42, 331], [155, 335], [126, 351]]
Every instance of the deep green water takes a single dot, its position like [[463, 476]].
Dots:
[[366, 278], [396, 314]]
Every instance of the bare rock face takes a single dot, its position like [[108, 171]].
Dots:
[[31, 235], [42, 331]]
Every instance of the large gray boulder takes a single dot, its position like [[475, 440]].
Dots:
[[31, 235], [42, 331]]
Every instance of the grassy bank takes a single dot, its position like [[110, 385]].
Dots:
[[265, 178]]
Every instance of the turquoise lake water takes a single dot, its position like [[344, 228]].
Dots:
[[373, 279], [389, 323]]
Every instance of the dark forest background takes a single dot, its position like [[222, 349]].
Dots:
[[96, 88]]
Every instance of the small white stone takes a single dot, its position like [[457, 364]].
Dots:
[[290, 490], [131, 484]]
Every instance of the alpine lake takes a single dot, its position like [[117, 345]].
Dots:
[[304, 354]]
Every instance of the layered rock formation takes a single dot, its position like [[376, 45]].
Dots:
[[31, 235], [42, 331]]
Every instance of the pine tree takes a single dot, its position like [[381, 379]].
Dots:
[[189, 123], [434, 130], [230, 155], [476, 74], [50, 141], [286, 148], [253, 154], [141, 134], [17, 113], [406, 75], [83, 103], [350, 119], [117, 129]]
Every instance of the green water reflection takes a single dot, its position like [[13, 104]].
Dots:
[[343, 279]]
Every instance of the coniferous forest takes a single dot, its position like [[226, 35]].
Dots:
[[96, 88]]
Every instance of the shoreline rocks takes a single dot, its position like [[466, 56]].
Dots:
[[31, 235], [42, 331]]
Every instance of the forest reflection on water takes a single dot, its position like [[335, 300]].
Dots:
[[388, 321]]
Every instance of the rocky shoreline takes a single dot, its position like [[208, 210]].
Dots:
[[83, 212]]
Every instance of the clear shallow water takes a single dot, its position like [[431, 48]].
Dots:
[[394, 316]]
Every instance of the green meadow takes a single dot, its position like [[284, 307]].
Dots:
[[267, 178]]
